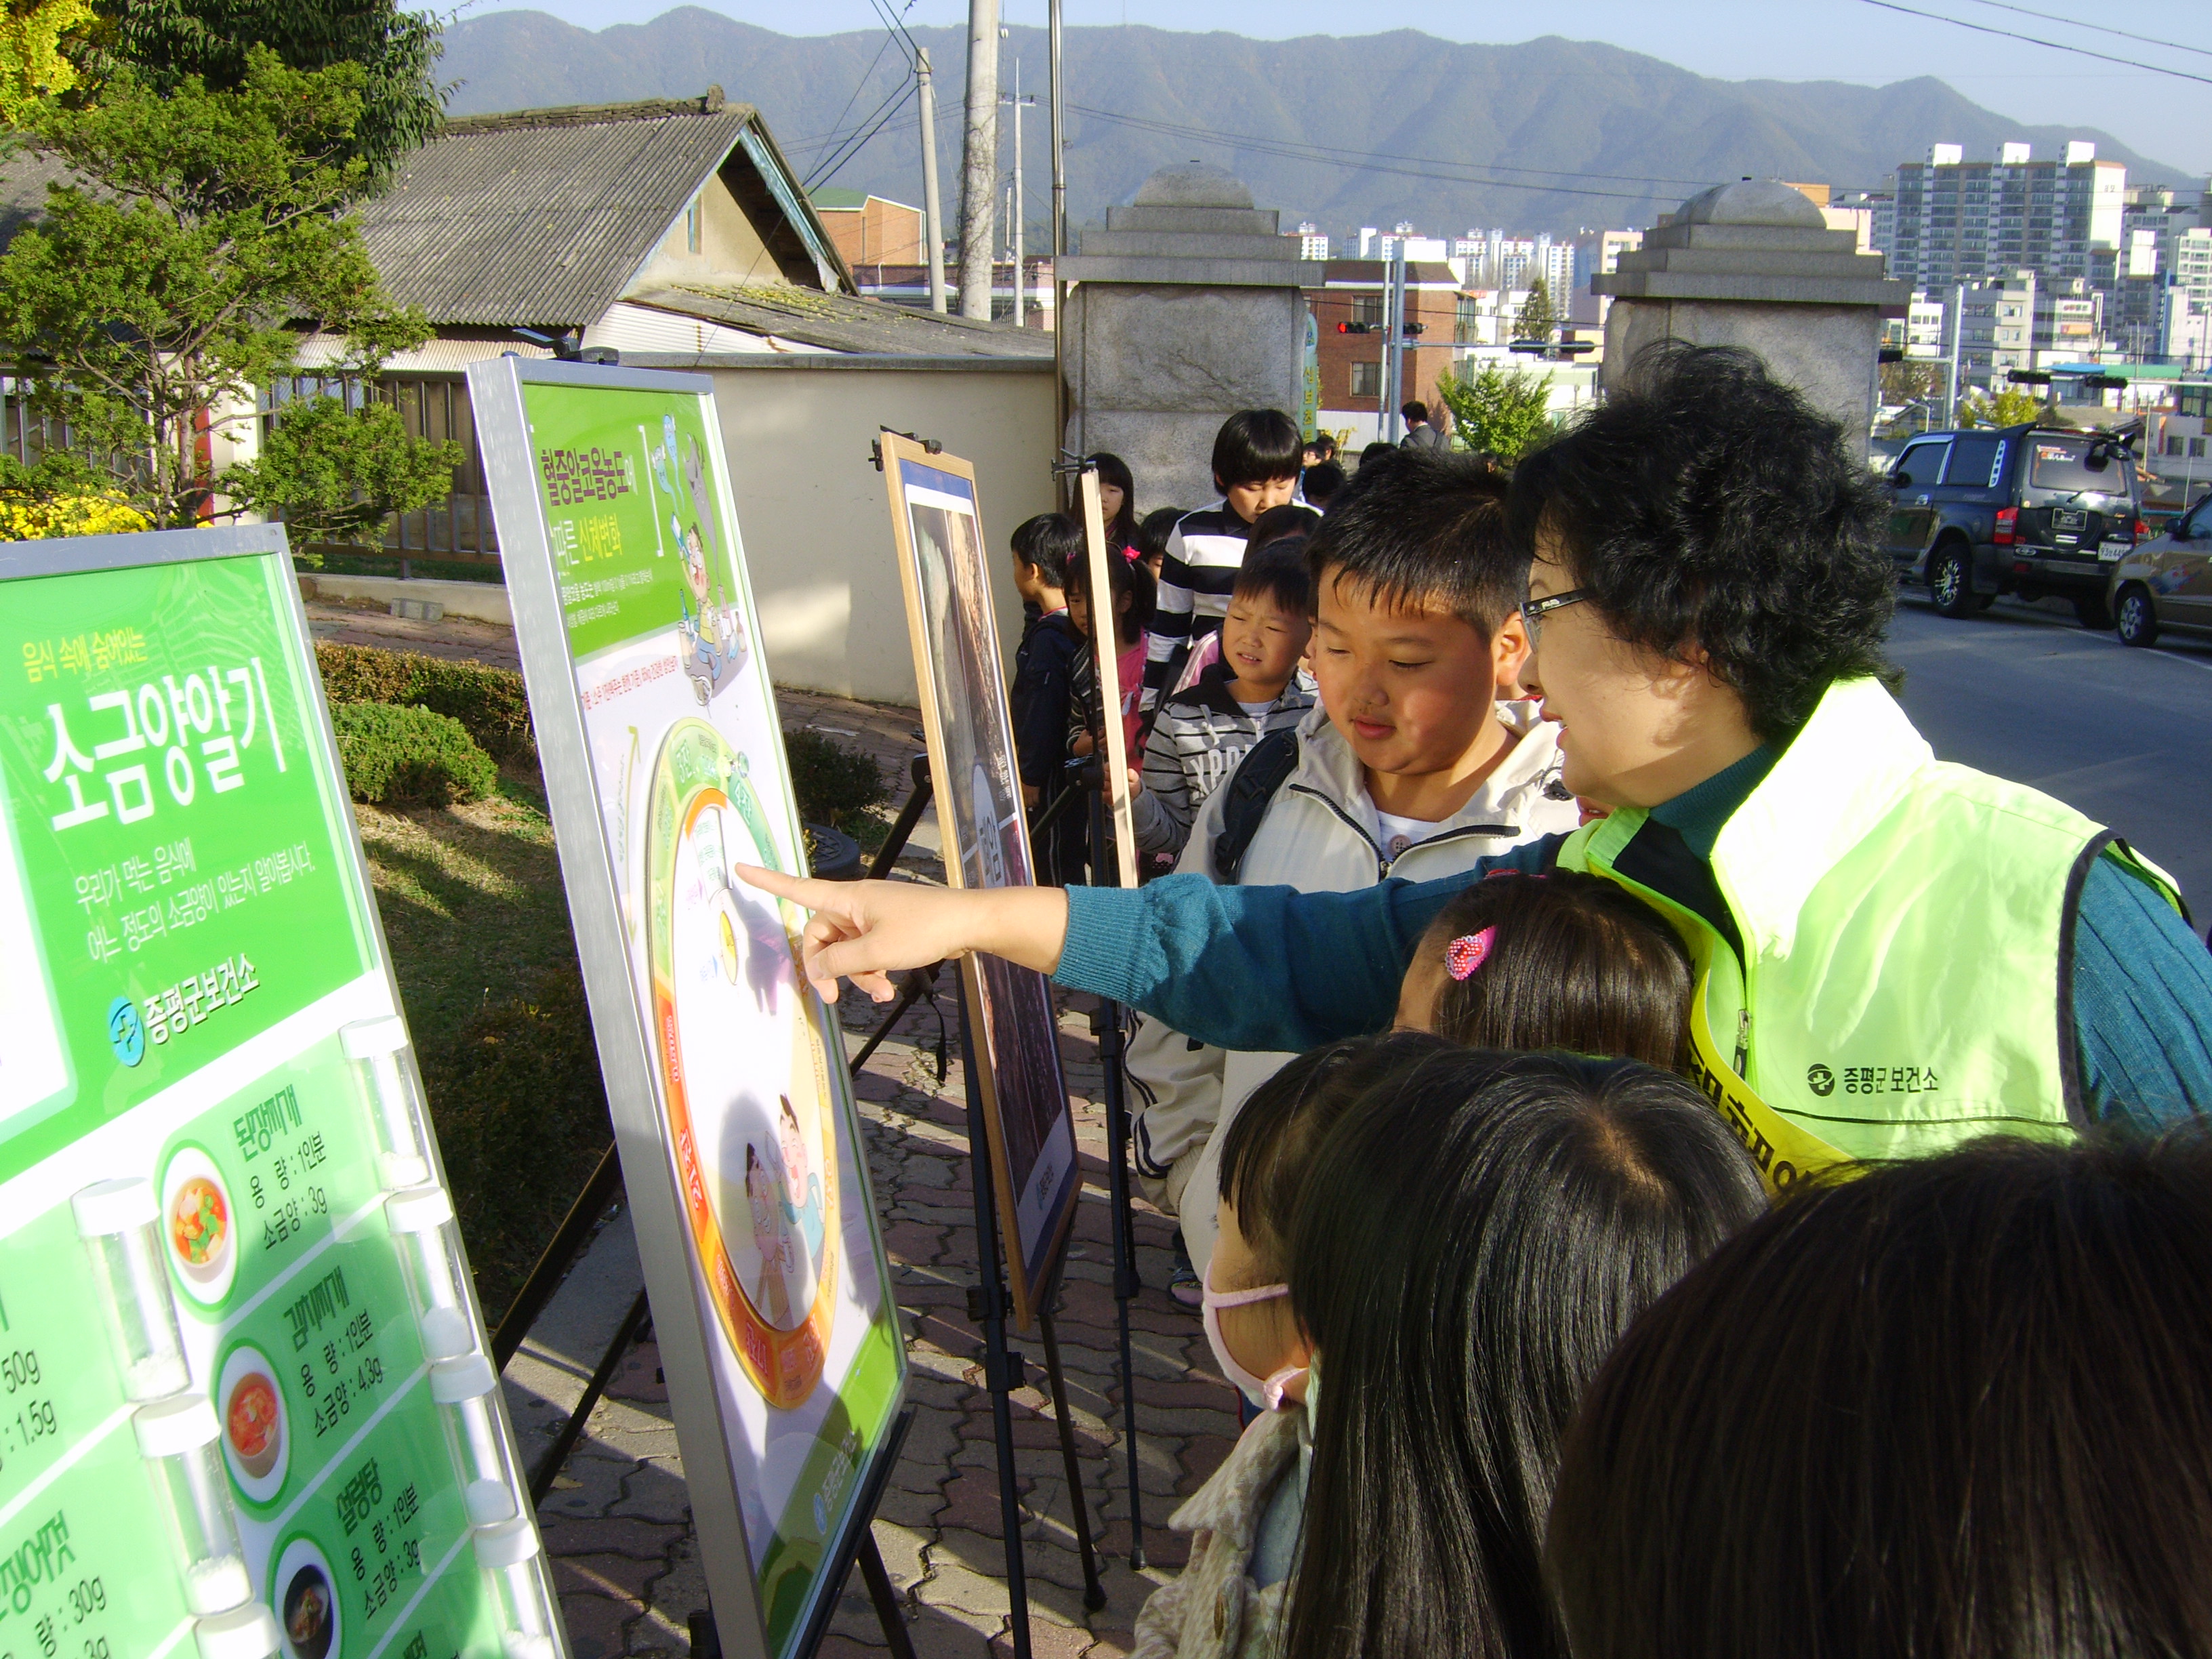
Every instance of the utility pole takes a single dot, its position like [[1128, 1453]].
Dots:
[[1059, 234], [979, 159], [1016, 212], [1958, 327], [1394, 339], [932, 216]]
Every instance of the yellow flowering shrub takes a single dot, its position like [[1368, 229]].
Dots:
[[68, 515], [33, 66]]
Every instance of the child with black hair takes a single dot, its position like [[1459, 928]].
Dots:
[[1257, 456], [1322, 484], [1154, 531], [1132, 610], [1291, 522], [1043, 549], [1557, 960], [1201, 733], [1245, 1523], [1117, 503], [1410, 765], [1472, 1238]]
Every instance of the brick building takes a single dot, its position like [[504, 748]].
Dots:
[[1351, 369]]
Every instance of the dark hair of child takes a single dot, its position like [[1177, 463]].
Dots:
[[1268, 1147], [1052, 542], [1154, 529], [1706, 503], [1278, 572], [1427, 530], [1322, 445], [1473, 1239], [1121, 528], [1277, 522], [1128, 576], [1560, 960], [1956, 1406], [1375, 451], [1255, 446], [1322, 482]]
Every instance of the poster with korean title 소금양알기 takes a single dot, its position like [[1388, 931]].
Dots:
[[945, 571], [245, 1403], [733, 1108]]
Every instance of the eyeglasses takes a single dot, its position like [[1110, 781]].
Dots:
[[1531, 610]]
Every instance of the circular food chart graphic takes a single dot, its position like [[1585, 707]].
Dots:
[[305, 1597], [744, 1074], [199, 1227], [256, 1438]]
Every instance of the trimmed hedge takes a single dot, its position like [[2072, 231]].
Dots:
[[834, 785], [402, 755], [489, 702]]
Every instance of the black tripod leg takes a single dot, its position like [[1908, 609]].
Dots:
[[1107, 1024], [889, 1614], [1001, 1369], [1094, 1593], [920, 982], [1125, 1282]]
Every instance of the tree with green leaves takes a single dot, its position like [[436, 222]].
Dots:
[[35, 63], [2011, 406], [1537, 319], [164, 44], [1499, 411], [194, 240]]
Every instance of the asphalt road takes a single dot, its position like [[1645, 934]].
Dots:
[[2124, 735]]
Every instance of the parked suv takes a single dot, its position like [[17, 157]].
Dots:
[[2025, 509], [2167, 580]]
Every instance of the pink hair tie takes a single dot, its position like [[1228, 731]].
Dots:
[[1468, 952]]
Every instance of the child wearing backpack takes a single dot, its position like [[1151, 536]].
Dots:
[[1253, 689], [1408, 766]]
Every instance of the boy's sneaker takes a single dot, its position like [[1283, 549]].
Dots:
[[1183, 1282]]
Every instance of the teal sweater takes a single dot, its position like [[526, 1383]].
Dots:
[[1270, 968]]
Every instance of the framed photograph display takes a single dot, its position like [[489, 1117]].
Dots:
[[246, 1399], [733, 1107], [945, 571]]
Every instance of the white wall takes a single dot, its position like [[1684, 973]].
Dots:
[[816, 521]]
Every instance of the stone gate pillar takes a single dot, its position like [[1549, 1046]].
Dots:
[[1186, 308], [1753, 265]]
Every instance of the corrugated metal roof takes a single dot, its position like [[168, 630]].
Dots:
[[540, 219], [842, 322]]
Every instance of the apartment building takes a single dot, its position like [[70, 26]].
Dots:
[[1976, 221]]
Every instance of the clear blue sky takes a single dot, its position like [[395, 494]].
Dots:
[[1736, 40]]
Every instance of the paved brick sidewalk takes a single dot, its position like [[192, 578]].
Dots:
[[617, 1523]]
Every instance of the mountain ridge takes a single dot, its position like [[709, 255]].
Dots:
[[1544, 134]]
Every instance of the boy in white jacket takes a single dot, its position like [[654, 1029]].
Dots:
[[1408, 766]]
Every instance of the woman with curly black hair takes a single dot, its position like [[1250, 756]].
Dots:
[[1891, 954]]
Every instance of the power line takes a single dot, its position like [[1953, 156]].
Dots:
[[2036, 40], [2105, 28], [877, 121]]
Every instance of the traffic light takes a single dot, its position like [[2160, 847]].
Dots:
[[1410, 329], [1357, 328]]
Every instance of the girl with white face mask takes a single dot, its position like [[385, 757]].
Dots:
[[1245, 1522]]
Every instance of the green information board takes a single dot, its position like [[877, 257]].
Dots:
[[245, 1403], [733, 1107]]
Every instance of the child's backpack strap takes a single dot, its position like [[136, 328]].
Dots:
[[1263, 771]]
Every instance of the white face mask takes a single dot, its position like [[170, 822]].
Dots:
[[1268, 1390]]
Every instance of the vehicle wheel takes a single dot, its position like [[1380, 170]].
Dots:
[[2137, 621], [2091, 613], [1951, 579]]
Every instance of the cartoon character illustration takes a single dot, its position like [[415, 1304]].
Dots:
[[771, 1238], [802, 1204], [694, 476], [712, 633]]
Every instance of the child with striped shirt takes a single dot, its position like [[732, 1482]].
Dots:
[[1257, 455]]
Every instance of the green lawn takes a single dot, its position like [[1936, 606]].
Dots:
[[473, 907]]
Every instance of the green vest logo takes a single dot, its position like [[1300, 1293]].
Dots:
[[1820, 1080]]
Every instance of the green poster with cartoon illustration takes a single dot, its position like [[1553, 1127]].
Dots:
[[244, 1402], [639, 637]]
